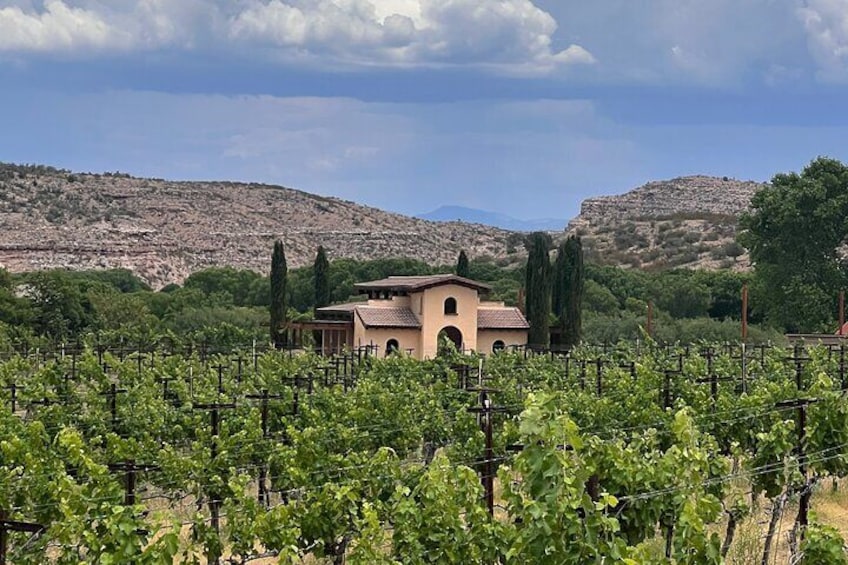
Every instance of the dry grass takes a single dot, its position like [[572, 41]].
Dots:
[[829, 505]]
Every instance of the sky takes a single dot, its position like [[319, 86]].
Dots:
[[523, 107]]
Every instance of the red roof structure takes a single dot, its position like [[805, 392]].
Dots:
[[416, 283], [387, 317], [501, 319]]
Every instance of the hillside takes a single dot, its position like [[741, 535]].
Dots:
[[165, 230], [683, 222]]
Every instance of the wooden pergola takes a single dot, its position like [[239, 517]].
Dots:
[[336, 335]]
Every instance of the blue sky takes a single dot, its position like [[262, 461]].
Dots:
[[523, 107]]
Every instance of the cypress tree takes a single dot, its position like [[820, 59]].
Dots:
[[321, 271], [538, 283], [278, 294], [462, 268], [558, 290], [572, 314]]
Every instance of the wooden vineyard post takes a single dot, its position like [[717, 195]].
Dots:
[[13, 389], [487, 472], [220, 370], [841, 312], [129, 469], [165, 392], [7, 526], [599, 368], [263, 495], [802, 520], [214, 497], [666, 393], [239, 363], [712, 378], [744, 313], [112, 396], [631, 367]]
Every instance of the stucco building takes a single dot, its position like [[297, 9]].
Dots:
[[410, 313]]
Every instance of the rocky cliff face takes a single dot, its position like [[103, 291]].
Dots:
[[683, 222], [164, 230], [681, 196]]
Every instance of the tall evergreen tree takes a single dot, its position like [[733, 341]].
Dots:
[[558, 281], [462, 268], [558, 289], [321, 272], [571, 317], [278, 294], [538, 283]]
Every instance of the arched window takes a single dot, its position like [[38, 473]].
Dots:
[[450, 305], [392, 346], [498, 346]]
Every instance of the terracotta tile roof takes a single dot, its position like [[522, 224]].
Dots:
[[501, 319], [348, 307], [412, 283], [389, 317]]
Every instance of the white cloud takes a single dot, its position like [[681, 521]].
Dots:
[[58, 27], [826, 24], [507, 35]]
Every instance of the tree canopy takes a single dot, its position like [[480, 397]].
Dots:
[[793, 232]]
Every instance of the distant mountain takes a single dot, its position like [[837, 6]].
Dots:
[[474, 216], [683, 222], [164, 230]]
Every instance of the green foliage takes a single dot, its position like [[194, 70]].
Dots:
[[558, 521], [441, 520], [793, 231], [60, 308], [278, 294], [571, 317], [822, 545], [538, 289], [321, 269], [231, 286], [462, 267]]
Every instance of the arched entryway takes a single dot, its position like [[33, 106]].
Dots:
[[453, 335]]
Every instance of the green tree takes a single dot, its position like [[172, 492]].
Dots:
[[462, 266], [558, 282], [792, 231], [278, 294], [321, 272], [571, 315], [538, 285], [60, 307]]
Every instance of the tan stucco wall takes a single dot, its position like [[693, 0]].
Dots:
[[433, 318], [487, 338], [407, 338], [428, 306]]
